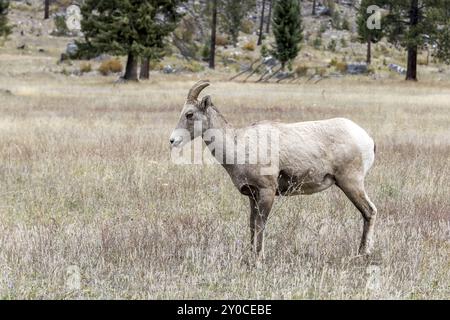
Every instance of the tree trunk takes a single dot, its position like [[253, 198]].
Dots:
[[369, 51], [131, 70], [270, 17], [411, 72], [46, 9], [212, 53], [145, 68], [414, 16], [314, 8], [261, 26]]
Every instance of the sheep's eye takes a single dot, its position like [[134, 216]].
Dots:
[[189, 115]]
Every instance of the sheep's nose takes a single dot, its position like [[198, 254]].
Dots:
[[172, 140]]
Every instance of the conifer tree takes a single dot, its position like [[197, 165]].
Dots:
[[135, 28], [5, 29], [234, 11], [212, 50], [415, 23], [287, 29], [367, 32]]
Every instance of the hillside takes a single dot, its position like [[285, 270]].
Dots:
[[324, 51]]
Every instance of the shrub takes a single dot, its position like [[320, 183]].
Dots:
[[194, 66], [221, 40], [321, 71], [332, 45], [110, 66], [205, 52], [156, 65], [247, 26], [344, 43], [323, 27], [354, 38], [301, 71], [422, 61], [336, 20], [383, 49], [85, 67], [65, 72], [249, 46], [333, 62], [60, 26], [341, 67], [317, 43], [264, 51], [345, 24]]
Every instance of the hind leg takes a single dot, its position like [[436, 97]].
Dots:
[[354, 190]]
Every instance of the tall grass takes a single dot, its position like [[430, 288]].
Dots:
[[86, 181]]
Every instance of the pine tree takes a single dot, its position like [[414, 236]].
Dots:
[[5, 29], [46, 9], [212, 51], [136, 28], [261, 23], [413, 24], [442, 38], [367, 34], [269, 22], [287, 29], [234, 11]]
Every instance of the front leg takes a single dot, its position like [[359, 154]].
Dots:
[[260, 205]]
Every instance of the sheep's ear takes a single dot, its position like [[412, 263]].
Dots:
[[206, 102]]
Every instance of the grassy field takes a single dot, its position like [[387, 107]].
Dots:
[[86, 184]]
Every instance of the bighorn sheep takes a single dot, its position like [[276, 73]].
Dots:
[[312, 156]]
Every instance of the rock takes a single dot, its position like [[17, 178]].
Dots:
[[281, 75], [357, 68], [244, 67], [323, 11], [347, 3], [168, 69], [270, 61], [396, 68], [72, 49], [103, 57]]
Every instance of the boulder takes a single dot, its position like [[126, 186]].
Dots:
[[282, 75], [323, 11], [72, 49], [103, 57], [357, 68], [270, 61], [168, 69], [396, 68]]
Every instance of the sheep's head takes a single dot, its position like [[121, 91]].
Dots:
[[193, 119]]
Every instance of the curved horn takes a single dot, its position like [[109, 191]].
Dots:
[[196, 89]]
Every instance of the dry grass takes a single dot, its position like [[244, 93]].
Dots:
[[85, 180]]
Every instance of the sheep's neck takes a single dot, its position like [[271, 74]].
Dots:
[[216, 120], [221, 131]]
